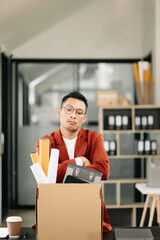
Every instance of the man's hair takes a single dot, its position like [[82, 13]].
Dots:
[[76, 95]]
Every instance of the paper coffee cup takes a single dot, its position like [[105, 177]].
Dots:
[[14, 226]]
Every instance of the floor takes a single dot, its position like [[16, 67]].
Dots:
[[28, 217]]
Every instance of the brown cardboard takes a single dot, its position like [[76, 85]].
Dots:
[[139, 93], [69, 211], [151, 92], [107, 98]]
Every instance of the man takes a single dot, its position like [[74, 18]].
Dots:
[[76, 145]]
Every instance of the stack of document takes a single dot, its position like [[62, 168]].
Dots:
[[43, 168]]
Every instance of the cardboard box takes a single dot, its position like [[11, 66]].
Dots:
[[107, 98], [69, 211]]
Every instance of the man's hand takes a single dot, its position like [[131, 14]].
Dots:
[[86, 162]]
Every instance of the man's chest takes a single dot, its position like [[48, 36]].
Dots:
[[81, 148]]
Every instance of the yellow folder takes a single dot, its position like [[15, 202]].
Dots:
[[135, 70], [146, 75], [149, 69], [35, 157], [44, 154], [151, 79]]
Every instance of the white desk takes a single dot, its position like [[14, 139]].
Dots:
[[153, 194]]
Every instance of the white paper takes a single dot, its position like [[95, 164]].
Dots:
[[145, 65], [53, 165], [142, 65], [39, 173], [3, 232]]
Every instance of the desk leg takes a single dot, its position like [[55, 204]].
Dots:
[[151, 201], [144, 211], [152, 211], [158, 209]]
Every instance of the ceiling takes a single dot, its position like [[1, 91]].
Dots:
[[52, 29], [21, 20]]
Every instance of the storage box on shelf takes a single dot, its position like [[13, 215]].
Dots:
[[141, 121]]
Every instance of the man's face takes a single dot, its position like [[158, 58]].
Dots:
[[72, 114]]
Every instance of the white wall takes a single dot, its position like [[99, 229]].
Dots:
[[157, 53], [103, 29], [20, 20], [148, 26]]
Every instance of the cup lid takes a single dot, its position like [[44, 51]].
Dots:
[[14, 219]]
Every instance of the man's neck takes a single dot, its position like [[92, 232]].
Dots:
[[67, 134]]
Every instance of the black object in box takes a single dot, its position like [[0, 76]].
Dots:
[[83, 173]]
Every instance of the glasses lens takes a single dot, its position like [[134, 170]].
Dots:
[[80, 113], [68, 110]]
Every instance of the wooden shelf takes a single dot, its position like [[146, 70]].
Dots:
[[147, 131], [132, 131], [144, 106], [131, 111], [139, 106], [132, 156]]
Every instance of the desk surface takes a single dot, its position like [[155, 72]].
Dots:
[[106, 236], [145, 189]]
